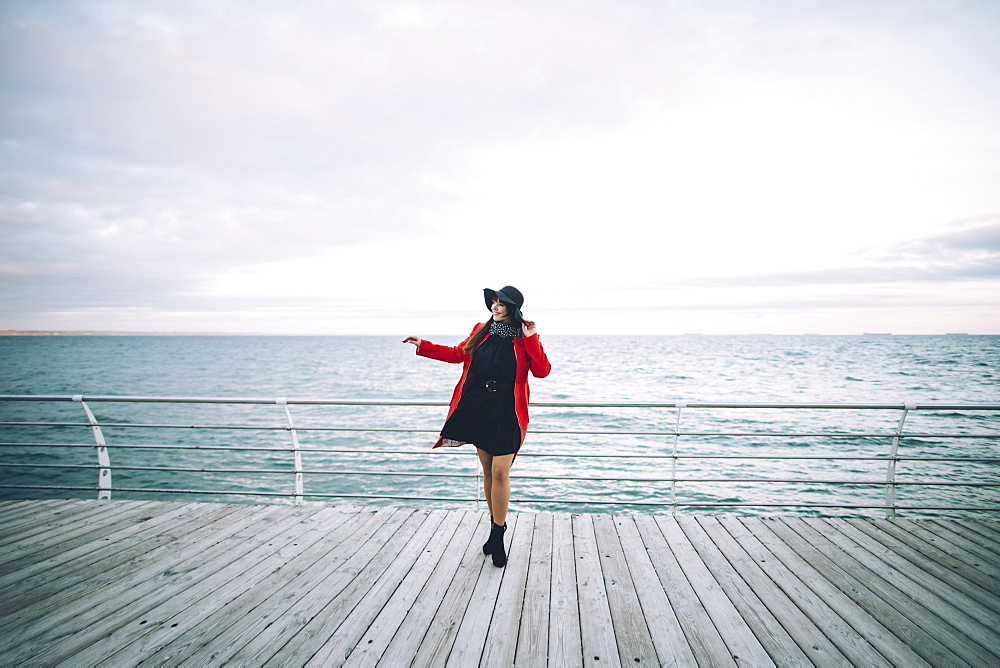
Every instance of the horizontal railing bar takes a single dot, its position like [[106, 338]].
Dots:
[[817, 434], [781, 405], [237, 493], [455, 451], [139, 425], [145, 490], [686, 504], [169, 469], [550, 432], [213, 400], [447, 474], [288, 471], [804, 481], [710, 504], [671, 404], [158, 446]]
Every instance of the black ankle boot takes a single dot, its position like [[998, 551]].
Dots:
[[488, 545], [496, 545], [495, 542]]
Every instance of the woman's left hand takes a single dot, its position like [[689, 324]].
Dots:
[[528, 328]]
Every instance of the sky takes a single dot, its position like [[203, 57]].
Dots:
[[632, 166]]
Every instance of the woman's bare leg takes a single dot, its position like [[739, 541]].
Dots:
[[496, 484], [501, 487], [486, 460]]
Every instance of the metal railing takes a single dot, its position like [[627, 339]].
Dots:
[[644, 472]]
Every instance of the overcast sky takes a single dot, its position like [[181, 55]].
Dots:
[[633, 166]]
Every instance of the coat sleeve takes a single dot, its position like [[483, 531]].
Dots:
[[450, 354], [538, 361]]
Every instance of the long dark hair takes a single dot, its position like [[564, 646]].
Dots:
[[469, 347]]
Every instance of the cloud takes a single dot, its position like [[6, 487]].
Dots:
[[968, 251], [195, 157], [976, 237]]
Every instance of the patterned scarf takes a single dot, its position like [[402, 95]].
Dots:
[[504, 330]]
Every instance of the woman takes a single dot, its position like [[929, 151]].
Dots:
[[489, 407]]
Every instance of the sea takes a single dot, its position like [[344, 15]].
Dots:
[[594, 451]]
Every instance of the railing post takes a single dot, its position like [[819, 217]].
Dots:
[[673, 460], [296, 452], [890, 473], [103, 458]]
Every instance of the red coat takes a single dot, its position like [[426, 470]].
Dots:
[[529, 355]]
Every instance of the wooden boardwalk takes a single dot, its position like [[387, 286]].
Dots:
[[120, 583]]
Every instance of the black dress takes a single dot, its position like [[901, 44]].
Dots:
[[485, 414]]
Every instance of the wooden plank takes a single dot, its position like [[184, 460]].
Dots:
[[671, 646], [533, 635], [470, 641], [505, 626], [54, 537], [110, 549], [600, 647], [53, 588], [444, 627], [13, 509], [78, 562], [988, 530], [390, 620], [703, 638], [28, 517], [191, 622], [405, 643], [250, 614], [632, 633], [565, 642], [979, 548], [952, 541], [12, 515], [358, 615], [919, 529], [7, 504], [132, 644], [203, 567], [304, 625], [860, 576], [991, 546], [82, 615], [910, 533], [501, 642], [30, 560], [971, 582], [775, 619], [43, 510], [743, 645], [893, 634], [770, 586], [781, 648], [950, 604]]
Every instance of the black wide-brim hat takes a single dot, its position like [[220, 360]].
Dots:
[[508, 295]]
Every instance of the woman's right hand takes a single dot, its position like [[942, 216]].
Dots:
[[412, 339]]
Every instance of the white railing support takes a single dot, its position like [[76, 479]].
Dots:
[[890, 472], [296, 452], [103, 458], [673, 459]]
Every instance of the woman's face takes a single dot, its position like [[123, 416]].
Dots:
[[500, 311]]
